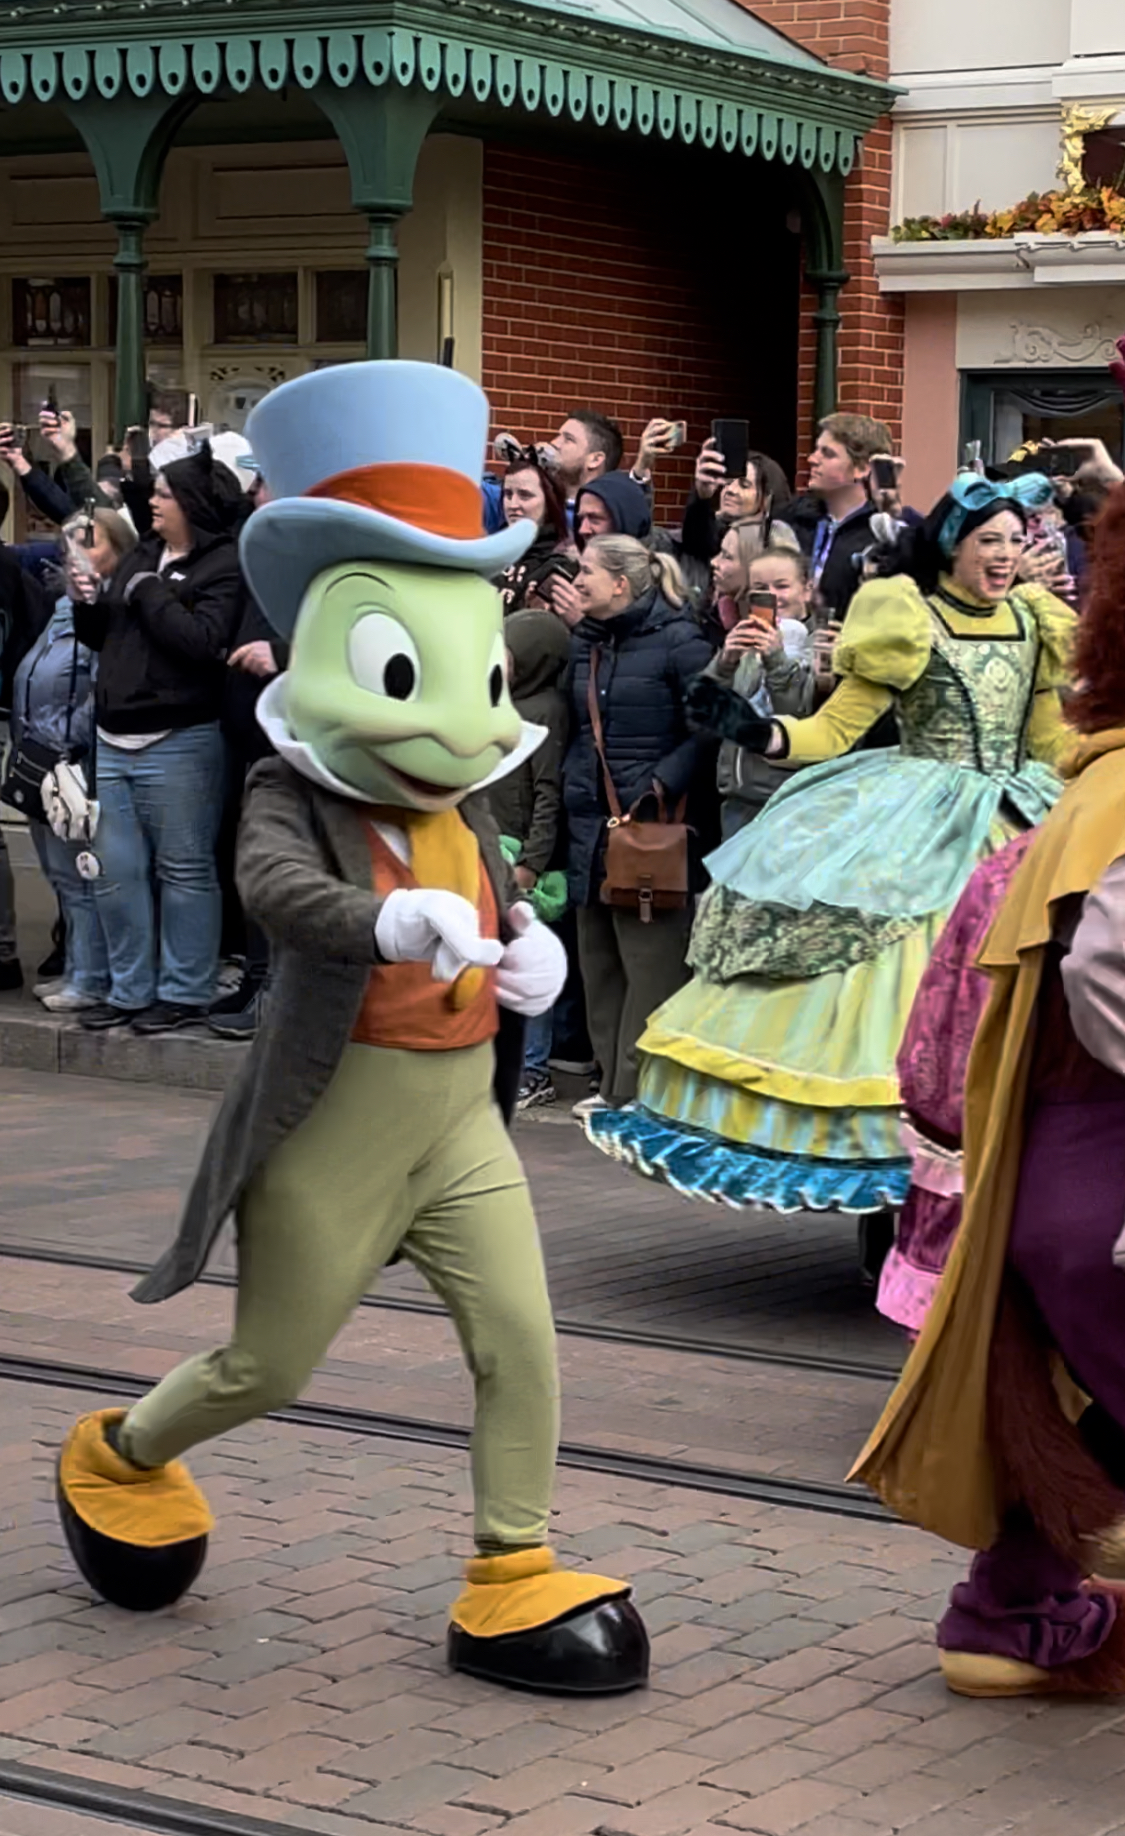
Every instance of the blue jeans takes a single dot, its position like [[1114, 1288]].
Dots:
[[87, 965], [160, 816], [537, 1042]]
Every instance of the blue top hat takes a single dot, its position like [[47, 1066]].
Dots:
[[369, 462]]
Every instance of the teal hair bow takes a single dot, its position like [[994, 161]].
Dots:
[[972, 494]]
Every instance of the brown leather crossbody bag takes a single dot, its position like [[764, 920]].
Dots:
[[646, 863]]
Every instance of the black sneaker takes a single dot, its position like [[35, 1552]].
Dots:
[[11, 975], [52, 966], [99, 1019], [536, 1091], [238, 1015], [167, 1017]]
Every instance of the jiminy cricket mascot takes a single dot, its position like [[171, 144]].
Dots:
[[365, 1124]]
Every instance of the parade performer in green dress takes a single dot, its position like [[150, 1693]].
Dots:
[[364, 1125], [770, 1079]]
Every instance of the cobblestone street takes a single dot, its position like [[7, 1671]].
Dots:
[[303, 1685]]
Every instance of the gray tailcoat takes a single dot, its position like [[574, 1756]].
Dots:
[[304, 872]]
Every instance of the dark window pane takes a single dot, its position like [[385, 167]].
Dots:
[[255, 308], [341, 306], [51, 312], [163, 315]]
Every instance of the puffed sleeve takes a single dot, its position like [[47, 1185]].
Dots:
[[1049, 738], [883, 648]]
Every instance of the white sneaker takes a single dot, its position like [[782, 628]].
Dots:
[[53, 987], [68, 1001], [588, 1106]]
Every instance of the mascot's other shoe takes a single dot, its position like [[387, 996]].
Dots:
[[522, 1622], [973, 1673], [139, 1535]]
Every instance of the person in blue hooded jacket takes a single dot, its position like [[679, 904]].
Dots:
[[53, 707]]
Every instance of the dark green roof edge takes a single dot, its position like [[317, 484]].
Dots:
[[553, 63]]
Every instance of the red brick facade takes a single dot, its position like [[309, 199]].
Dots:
[[612, 280], [854, 34], [602, 289]]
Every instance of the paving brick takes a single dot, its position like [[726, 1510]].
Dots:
[[400, 1800], [404, 1752], [831, 1697], [787, 1808], [674, 1812], [522, 1745], [564, 1816], [530, 1786], [647, 1778], [455, 1820]]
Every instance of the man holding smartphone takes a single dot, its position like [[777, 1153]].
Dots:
[[833, 524]]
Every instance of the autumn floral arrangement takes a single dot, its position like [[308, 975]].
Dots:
[[1048, 213]]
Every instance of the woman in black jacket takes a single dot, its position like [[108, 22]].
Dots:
[[162, 630], [644, 648]]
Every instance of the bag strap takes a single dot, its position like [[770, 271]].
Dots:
[[72, 692], [612, 798]]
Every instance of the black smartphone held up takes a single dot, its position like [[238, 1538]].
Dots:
[[733, 441], [139, 444], [1062, 461], [51, 405], [884, 474]]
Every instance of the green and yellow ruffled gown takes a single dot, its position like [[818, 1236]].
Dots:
[[770, 1078]]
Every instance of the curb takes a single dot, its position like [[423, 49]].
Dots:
[[31, 1041]]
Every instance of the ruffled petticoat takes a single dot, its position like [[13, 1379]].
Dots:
[[783, 1093]]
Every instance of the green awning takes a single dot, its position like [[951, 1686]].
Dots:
[[702, 72]]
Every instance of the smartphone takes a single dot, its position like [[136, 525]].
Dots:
[[139, 444], [733, 441], [1063, 461], [51, 405], [972, 455], [884, 473], [762, 608], [677, 434], [192, 410]]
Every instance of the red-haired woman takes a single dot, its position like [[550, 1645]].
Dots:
[[1007, 1432]]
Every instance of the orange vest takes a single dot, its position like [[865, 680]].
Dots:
[[404, 1008]]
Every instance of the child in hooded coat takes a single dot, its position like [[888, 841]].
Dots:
[[527, 805]]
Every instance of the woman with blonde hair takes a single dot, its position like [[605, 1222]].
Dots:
[[634, 652]]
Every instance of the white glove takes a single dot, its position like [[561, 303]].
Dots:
[[432, 926], [532, 970]]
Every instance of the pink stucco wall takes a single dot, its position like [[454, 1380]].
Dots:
[[931, 397]]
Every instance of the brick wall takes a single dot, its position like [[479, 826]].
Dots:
[[612, 280], [855, 35]]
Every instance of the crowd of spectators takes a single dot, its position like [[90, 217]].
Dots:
[[132, 652]]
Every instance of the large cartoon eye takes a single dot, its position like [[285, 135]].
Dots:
[[496, 674], [383, 657]]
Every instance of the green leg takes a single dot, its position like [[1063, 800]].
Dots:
[[321, 1218], [475, 1239]]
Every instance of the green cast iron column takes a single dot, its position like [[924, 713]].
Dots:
[[382, 284], [130, 407], [826, 318], [381, 132]]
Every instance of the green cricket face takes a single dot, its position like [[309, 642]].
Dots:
[[397, 682]]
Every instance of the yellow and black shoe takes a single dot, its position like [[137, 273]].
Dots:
[[138, 1534], [523, 1622]]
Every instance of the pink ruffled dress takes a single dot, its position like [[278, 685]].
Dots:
[[931, 1065]]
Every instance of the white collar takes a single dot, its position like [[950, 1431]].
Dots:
[[274, 722]]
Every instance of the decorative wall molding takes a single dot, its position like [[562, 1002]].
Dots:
[[1031, 344]]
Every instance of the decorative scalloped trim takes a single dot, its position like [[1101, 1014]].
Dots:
[[701, 1166], [383, 55]]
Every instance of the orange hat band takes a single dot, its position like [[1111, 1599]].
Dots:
[[430, 497]]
